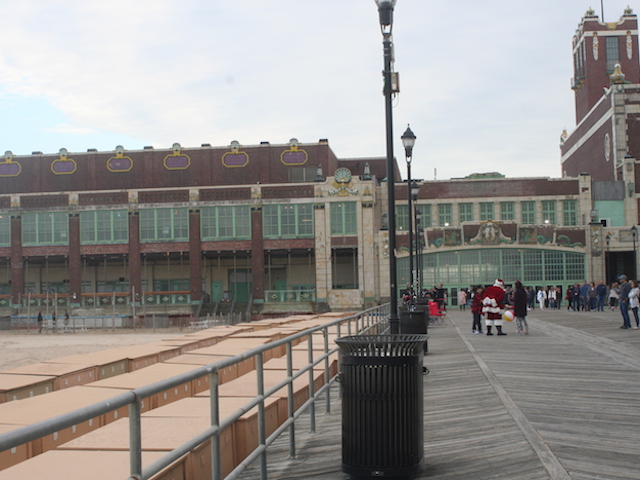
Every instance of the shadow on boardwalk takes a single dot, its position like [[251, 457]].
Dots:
[[560, 403]]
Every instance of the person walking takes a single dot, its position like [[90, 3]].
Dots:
[[531, 298], [593, 297], [476, 310], [542, 298], [634, 302], [625, 288], [40, 321], [576, 297], [614, 296], [520, 308], [53, 321], [462, 299], [551, 296], [584, 296], [601, 291]]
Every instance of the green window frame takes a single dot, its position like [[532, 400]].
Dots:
[[225, 222], [528, 212], [45, 228], [5, 230], [465, 212], [344, 218], [402, 217], [424, 214], [486, 211], [507, 211], [445, 218], [104, 227], [570, 213], [164, 225], [549, 211], [288, 220]]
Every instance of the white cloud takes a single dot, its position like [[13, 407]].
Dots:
[[485, 86]]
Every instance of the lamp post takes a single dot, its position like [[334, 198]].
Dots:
[[415, 189], [634, 233], [409, 140], [385, 12], [608, 240]]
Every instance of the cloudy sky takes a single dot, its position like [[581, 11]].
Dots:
[[484, 85]]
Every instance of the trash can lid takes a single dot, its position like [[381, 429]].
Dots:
[[382, 345]]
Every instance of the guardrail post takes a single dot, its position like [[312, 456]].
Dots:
[[262, 431], [327, 373], [214, 382], [290, 406], [135, 440], [312, 407]]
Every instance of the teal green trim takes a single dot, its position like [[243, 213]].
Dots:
[[612, 210]]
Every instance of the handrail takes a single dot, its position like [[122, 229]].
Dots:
[[364, 321]]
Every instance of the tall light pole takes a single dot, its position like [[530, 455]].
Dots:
[[415, 190], [409, 140], [634, 232], [418, 248], [385, 12], [607, 274]]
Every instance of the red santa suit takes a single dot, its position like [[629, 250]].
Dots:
[[492, 305]]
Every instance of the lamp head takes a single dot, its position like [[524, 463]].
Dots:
[[415, 189], [385, 10], [408, 140]]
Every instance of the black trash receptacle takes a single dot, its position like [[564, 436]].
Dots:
[[414, 319], [382, 404]]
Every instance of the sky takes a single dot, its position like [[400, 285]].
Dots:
[[485, 85]]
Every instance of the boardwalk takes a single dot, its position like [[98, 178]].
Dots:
[[560, 403]]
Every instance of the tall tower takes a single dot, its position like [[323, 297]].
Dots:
[[606, 82], [597, 48]]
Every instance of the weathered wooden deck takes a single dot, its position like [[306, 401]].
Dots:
[[560, 403]]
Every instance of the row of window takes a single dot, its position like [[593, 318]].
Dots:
[[279, 221], [172, 224], [483, 266], [502, 211]]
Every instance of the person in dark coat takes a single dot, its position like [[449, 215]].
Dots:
[[520, 308]]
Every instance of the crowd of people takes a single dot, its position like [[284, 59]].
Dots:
[[491, 302]]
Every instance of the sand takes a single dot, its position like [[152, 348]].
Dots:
[[17, 350]]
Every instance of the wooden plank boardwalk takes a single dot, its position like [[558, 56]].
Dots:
[[560, 403]]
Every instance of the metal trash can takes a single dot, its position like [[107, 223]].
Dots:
[[414, 319], [382, 404]]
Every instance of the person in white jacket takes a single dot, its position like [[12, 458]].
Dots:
[[542, 297], [634, 302]]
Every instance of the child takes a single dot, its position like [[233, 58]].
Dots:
[[476, 310]]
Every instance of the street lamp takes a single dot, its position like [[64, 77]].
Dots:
[[608, 240], [418, 217], [409, 140], [385, 11], [634, 232]]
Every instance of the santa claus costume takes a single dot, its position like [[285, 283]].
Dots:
[[493, 303]]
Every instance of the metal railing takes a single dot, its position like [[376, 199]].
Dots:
[[373, 320]]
